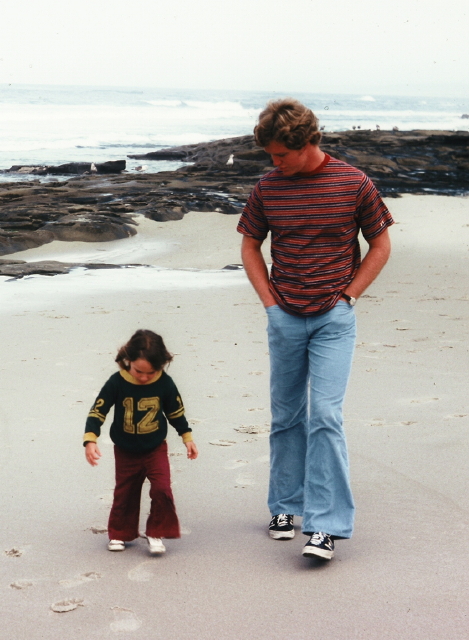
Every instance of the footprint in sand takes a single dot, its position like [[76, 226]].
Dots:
[[235, 464], [21, 584], [253, 429], [124, 620], [84, 577], [67, 605], [245, 481], [423, 400], [98, 529], [142, 572], [223, 443]]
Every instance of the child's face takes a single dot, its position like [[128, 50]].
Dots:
[[142, 370]]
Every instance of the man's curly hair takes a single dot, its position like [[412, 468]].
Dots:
[[288, 122]]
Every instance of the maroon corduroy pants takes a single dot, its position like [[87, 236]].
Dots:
[[131, 471]]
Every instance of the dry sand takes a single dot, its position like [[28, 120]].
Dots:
[[404, 574]]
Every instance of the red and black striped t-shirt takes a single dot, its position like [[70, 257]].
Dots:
[[314, 222]]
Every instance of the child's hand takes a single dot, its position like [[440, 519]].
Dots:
[[92, 453], [192, 451]]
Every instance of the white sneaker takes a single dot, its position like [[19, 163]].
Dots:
[[156, 545], [116, 545]]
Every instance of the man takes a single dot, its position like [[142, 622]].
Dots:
[[314, 207]]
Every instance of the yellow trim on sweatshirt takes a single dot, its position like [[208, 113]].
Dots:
[[127, 376]]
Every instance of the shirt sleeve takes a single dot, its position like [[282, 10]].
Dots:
[[253, 221], [173, 408], [98, 412], [373, 215]]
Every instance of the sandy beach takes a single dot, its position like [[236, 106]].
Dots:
[[404, 574]]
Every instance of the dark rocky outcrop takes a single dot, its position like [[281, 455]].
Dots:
[[70, 168], [233, 156], [219, 178], [407, 161], [397, 161], [19, 268], [32, 214]]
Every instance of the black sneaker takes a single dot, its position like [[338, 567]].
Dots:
[[320, 544], [281, 527]]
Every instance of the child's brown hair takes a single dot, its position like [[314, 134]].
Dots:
[[147, 345]]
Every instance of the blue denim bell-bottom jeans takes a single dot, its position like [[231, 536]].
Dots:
[[310, 360]]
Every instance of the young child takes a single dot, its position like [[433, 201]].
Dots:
[[144, 399]]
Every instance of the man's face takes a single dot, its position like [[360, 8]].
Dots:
[[289, 161]]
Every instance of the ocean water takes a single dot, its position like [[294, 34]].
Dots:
[[50, 125]]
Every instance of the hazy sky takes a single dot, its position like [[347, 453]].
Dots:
[[379, 46]]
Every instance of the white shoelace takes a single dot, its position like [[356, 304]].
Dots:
[[318, 538]]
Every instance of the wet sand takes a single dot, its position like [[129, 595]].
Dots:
[[404, 573]]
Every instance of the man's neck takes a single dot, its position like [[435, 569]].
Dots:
[[315, 158]]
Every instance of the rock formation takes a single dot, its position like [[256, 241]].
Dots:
[[397, 161], [20, 268], [70, 168], [219, 177]]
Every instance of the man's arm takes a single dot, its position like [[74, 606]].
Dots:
[[377, 256], [256, 269]]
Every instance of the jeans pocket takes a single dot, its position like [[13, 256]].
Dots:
[[342, 318], [271, 308]]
